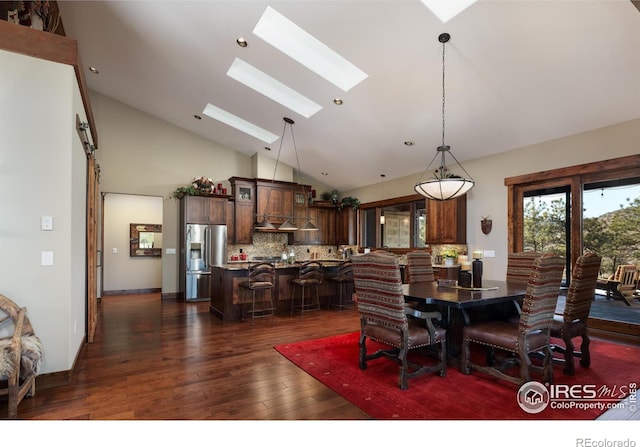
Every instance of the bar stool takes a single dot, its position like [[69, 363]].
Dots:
[[261, 277], [310, 276], [344, 279]]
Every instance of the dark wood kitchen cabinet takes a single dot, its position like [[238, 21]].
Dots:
[[204, 210], [323, 217], [447, 221], [244, 194], [346, 226], [275, 199]]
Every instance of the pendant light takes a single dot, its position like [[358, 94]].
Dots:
[[382, 218], [444, 183], [287, 225], [308, 226]]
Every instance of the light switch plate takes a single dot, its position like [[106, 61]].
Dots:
[[489, 253], [170, 251], [47, 258], [46, 223]]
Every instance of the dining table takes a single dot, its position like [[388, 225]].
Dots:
[[495, 299]]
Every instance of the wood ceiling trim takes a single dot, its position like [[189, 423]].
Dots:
[[50, 47]]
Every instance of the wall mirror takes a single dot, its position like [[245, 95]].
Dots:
[[145, 239]]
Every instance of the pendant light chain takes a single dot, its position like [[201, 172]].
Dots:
[[443, 97]]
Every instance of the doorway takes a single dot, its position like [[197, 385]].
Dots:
[[123, 274]]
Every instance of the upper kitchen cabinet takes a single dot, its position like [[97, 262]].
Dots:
[[323, 217], [275, 200], [204, 210], [447, 221], [244, 194], [346, 226]]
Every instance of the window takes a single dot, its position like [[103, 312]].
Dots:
[[396, 224]]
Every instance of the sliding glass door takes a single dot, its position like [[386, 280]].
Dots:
[[547, 222]]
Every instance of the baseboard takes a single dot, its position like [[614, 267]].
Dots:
[[130, 292], [615, 330], [171, 296], [60, 378]]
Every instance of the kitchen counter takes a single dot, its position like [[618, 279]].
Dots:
[[227, 300]]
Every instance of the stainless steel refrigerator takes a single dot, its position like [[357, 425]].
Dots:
[[206, 245]]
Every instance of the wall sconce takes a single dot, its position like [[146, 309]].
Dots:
[[486, 225]]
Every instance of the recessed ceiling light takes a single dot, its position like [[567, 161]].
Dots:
[[445, 11], [238, 123], [240, 41], [337, 101], [408, 143], [94, 70], [383, 175], [267, 148], [198, 117], [325, 173], [301, 46], [272, 88]]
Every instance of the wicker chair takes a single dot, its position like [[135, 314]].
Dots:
[[530, 335], [20, 354], [573, 321], [383, 317], [419, 267]]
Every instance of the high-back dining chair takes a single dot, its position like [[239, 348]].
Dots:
[[419, 267], [383, 318], [573, 321], [519, 265], [529, 335]]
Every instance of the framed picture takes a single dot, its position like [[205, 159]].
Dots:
[[299, 199]]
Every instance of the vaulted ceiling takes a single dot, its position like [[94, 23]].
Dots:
[[517, 73]]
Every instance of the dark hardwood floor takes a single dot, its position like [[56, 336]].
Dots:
[[161, 359], [156, 359]]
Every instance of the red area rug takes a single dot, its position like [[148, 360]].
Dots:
[[334, 362]]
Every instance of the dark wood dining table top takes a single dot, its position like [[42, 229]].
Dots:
[[493, 292]]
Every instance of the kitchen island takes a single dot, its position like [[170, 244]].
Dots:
[[227, 299]]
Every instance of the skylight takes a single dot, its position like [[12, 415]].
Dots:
[[272, 88], [238, 123], [301, 46], [448, 9]]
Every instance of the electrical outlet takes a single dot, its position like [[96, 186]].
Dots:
[[114, 251], [170, 251]]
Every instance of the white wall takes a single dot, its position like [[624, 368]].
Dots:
[[489, 196], [121, 271], [43, 173]]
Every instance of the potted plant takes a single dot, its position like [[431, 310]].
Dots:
[[349, 201], [182, 191], [449, 256]]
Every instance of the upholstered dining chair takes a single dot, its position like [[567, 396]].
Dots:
[[529, 335], [383, 318], [344, 280], [419, 267], [309, 277], [519, 265], [573, 321], [20, 355], [262, 277]]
